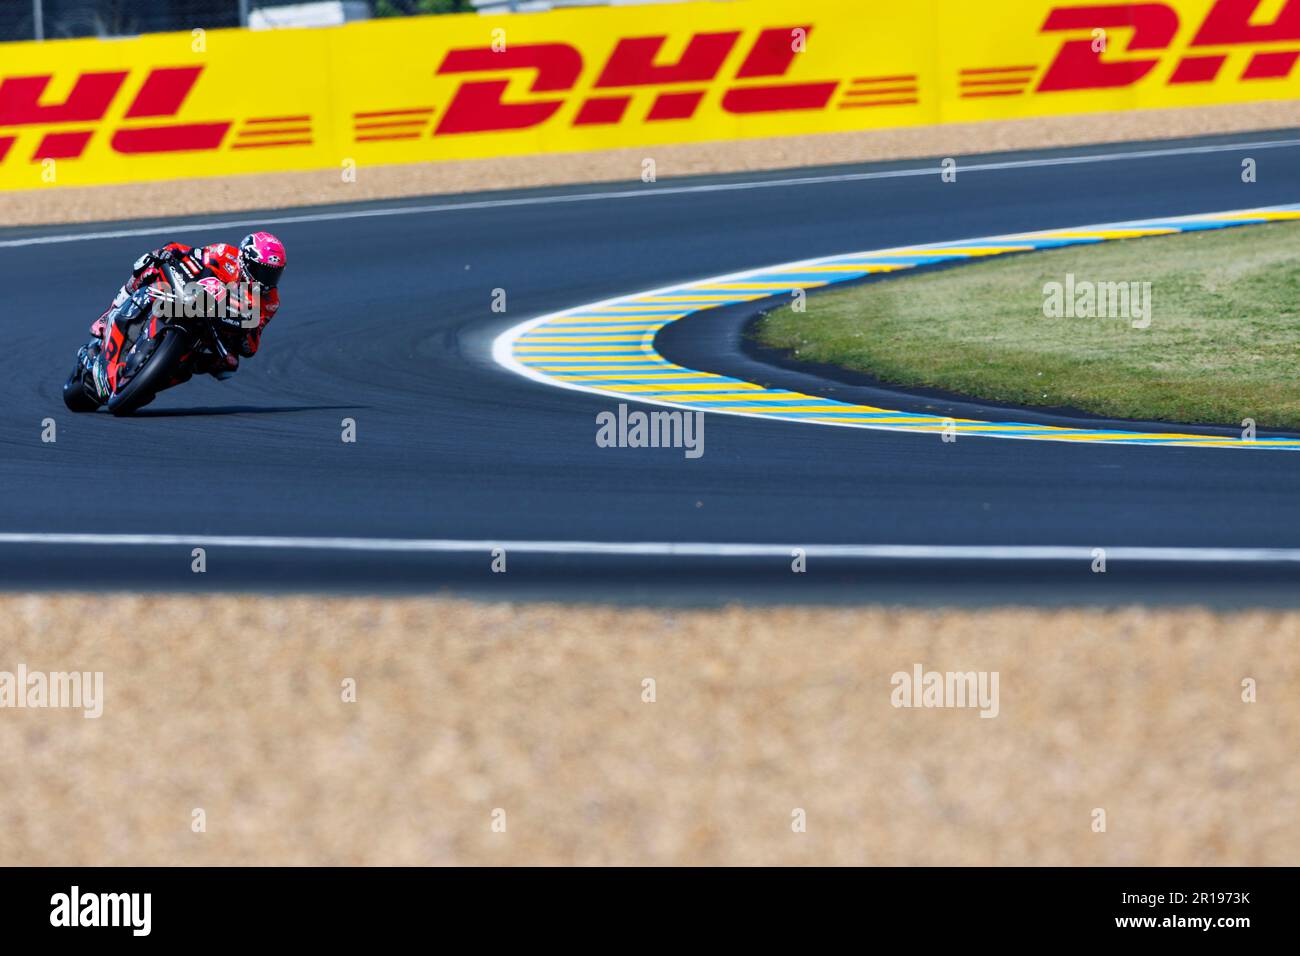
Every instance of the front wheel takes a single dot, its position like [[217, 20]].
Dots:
[[154, 374], [77, 393]]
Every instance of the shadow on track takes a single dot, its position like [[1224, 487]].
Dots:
[[239, 410]]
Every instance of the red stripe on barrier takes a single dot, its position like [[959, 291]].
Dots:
[[767, 99], [170, 139], [858, 104], [278, 142], [901, 78], [279, 131], [998, 69], [881, 90], [375, 115], [1007, 82], [393, 123]]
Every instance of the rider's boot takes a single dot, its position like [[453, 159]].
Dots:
[[91, 359]]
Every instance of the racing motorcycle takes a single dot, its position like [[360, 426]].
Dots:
[[170, 325]]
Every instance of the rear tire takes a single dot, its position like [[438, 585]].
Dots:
[[154, 375]]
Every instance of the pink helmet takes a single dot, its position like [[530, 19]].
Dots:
[[262, 259]]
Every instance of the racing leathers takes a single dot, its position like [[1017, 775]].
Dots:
[[249, 308]]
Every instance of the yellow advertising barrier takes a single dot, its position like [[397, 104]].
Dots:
[[79, 112]]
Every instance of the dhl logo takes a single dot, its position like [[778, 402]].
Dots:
[[478, 105], [634, 67], [1084, 64], [160, 96]]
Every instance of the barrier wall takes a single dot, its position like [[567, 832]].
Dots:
[[452, 87]]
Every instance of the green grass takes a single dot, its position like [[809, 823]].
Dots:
[[1223, 342]]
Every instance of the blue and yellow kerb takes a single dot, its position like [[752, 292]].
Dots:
[[608, 347]]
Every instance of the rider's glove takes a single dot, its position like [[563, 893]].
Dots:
[[189, 263]]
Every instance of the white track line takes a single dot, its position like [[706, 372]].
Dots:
[[904, 552], [931, 170]]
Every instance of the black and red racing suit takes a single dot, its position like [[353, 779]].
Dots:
[[194, 263]]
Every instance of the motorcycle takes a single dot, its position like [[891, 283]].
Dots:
[[169, 325]]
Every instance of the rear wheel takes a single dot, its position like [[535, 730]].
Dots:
[[154, 374]]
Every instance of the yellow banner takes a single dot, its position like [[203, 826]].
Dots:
[[167, 106]]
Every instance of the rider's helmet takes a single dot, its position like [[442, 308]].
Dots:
[[262, 259]]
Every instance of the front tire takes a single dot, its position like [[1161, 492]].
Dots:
[[77, 394], [154, 375]]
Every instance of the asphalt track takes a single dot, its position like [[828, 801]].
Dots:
[[388, 320]]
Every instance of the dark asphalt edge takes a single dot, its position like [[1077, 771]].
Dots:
[[658, 582]]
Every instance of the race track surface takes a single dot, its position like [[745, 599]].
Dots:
[[388, 320]]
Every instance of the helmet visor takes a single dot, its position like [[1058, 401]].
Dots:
[[266, 276]]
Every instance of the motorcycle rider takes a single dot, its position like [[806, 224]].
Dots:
[[252, 271]]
